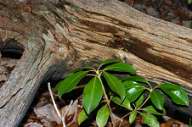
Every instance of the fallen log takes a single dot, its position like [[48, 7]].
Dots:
[[60, 35]]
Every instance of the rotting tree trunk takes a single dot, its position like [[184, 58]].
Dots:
[[72, 31]]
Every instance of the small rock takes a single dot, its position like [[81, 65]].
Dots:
[[187, 23], [48, 113], [2, 70], [3, 77], [140, 7], [151, 11], [176, 21]]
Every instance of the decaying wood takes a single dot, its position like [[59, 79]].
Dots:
[[74, 31]]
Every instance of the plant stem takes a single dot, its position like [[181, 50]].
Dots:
[[144, 101], [157, 86], [148, 89], [91, 75], [93, 70], [148, 83], [55, 106], [125, 115], [104, 92], [79, 87]]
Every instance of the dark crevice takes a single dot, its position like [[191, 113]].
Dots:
[[94, 42], [10, 48], [181, 113], [99, 27], [186, 39]]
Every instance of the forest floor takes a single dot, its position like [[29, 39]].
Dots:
[[175, 11]]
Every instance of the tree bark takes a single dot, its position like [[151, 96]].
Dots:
[[71, 32]]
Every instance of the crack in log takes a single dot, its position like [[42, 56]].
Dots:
[[186, 39], [5, 103], [137, 47], [140, 49]]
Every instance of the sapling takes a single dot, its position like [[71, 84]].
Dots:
[[116, 83]]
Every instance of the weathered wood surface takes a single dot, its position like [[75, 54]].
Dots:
[[74, 31]]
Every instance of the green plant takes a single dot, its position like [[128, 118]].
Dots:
[[189, 1], [116, 82]]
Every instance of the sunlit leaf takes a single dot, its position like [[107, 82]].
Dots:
[[82, 117], [133, 90], [139, 102], [132, 116], [121, 67], [115, 84], [151, 110], [69, 82], [92, 95], [176, 93], [189, 1], [102, 116], [158, 100], [150, 120]]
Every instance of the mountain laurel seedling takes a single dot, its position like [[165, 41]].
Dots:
[[116, 82]]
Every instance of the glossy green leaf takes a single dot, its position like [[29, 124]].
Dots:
[[121, 67], [158, 100], [102, 116], [132, 116], [115, 84], [176, 93], [189, 1], [136, 79], [110, 61], [150, 120], [92, 95], [140, 101], [82, 117], [129, 84], [133, 90], [151, 110], [69, 82], [123, 103]]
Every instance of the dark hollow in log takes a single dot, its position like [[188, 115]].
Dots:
[[11, 49], [71, 31]]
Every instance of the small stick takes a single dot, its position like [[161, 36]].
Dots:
[[55, 106]]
